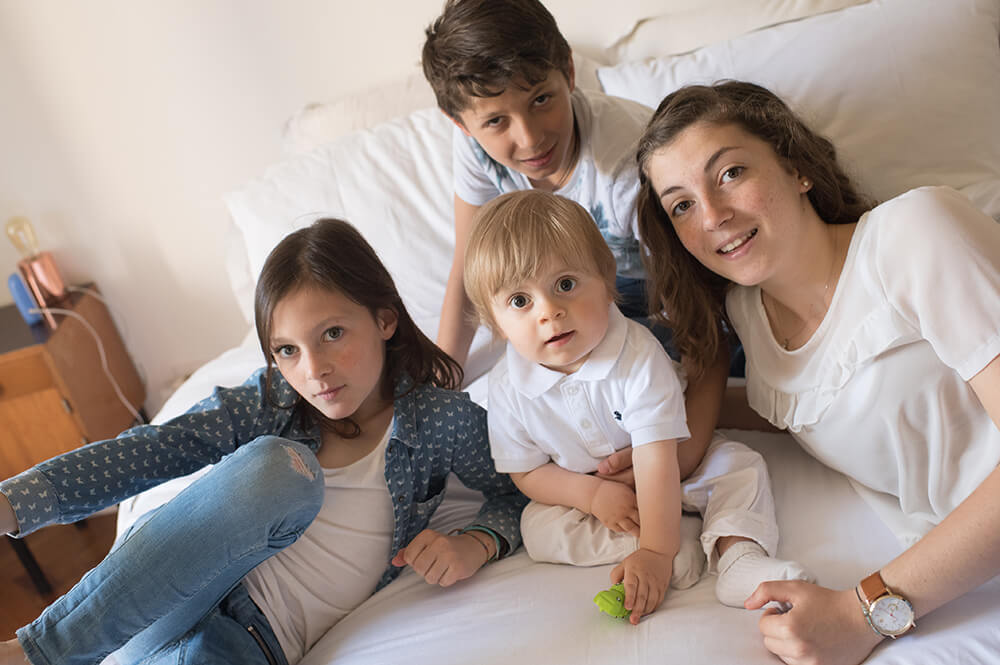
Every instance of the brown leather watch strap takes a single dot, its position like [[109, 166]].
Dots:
[[873, 586]]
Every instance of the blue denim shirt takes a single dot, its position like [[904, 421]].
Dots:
[[435, 431]]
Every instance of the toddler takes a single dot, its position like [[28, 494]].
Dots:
[[580, 381]]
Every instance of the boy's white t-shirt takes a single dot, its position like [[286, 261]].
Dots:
[[628, 392], [605, 180], [336, 564], [880, 391]]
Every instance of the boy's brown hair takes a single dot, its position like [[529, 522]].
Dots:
[[517, 234], [477, 48]]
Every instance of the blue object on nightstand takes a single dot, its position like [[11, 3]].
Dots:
[[23, 299]]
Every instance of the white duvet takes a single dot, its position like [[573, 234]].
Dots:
[[518, 612]]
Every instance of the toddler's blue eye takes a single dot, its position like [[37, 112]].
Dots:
[[335, 332], [285, 351]]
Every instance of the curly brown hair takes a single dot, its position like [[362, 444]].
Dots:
[[476, 48], [333, 255], [683, 293]]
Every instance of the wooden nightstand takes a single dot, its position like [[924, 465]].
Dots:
[[54, 394]]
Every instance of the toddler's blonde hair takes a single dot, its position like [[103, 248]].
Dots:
[[517, 235]]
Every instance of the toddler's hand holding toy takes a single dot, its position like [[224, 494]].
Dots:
[[612, 601], [645, 576]]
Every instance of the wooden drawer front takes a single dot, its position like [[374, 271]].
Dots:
[[35, 427], [76, 361], [23, 372]]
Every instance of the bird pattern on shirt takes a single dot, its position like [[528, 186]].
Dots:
[[435, 432]]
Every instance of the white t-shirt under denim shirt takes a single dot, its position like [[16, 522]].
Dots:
[[880, 391], [605, 180], [338, 561]]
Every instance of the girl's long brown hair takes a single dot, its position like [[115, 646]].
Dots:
[[684, 294], [332, 254]]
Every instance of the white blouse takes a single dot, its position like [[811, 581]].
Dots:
[[880, 392]]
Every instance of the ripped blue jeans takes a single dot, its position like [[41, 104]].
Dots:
[[170, 591]]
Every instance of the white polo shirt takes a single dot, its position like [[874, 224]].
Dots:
[[628, 392]]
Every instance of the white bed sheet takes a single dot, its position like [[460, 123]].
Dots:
[[518, 611]]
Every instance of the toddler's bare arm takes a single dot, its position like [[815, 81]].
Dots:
[[613, 503]]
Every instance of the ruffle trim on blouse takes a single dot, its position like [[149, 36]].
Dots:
[[881, 331]]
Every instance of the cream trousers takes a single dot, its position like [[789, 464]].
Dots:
[[730, 489]]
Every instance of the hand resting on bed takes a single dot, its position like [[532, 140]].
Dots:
[[444, 560]]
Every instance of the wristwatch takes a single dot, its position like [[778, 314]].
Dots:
[[888, 613]]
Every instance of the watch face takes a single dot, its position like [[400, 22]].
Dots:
[[891, 615]]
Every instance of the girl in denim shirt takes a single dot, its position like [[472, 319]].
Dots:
[[326, 474]]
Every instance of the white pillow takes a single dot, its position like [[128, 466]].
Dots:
[[909, 92], [319, 123], [392, 182], [692, 24], [316, 124]]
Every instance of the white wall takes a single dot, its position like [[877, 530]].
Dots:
[[123, 123]]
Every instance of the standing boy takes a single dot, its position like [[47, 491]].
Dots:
[[578, 382]]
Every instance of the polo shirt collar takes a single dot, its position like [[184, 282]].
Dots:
[[532, 379]]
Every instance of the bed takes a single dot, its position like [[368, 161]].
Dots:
[[910, 93]]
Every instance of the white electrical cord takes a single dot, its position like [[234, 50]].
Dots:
[[100, 349], [90, 292], [122, 324]]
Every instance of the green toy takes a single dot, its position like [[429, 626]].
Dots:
[[612, 601]]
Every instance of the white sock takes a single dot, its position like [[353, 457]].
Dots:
[[745, 565], [689, 563]]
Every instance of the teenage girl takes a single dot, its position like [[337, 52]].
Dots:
[[328, 465]]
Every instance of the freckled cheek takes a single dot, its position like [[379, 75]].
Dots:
[[347, 363], [692, 239], [763, 201]]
